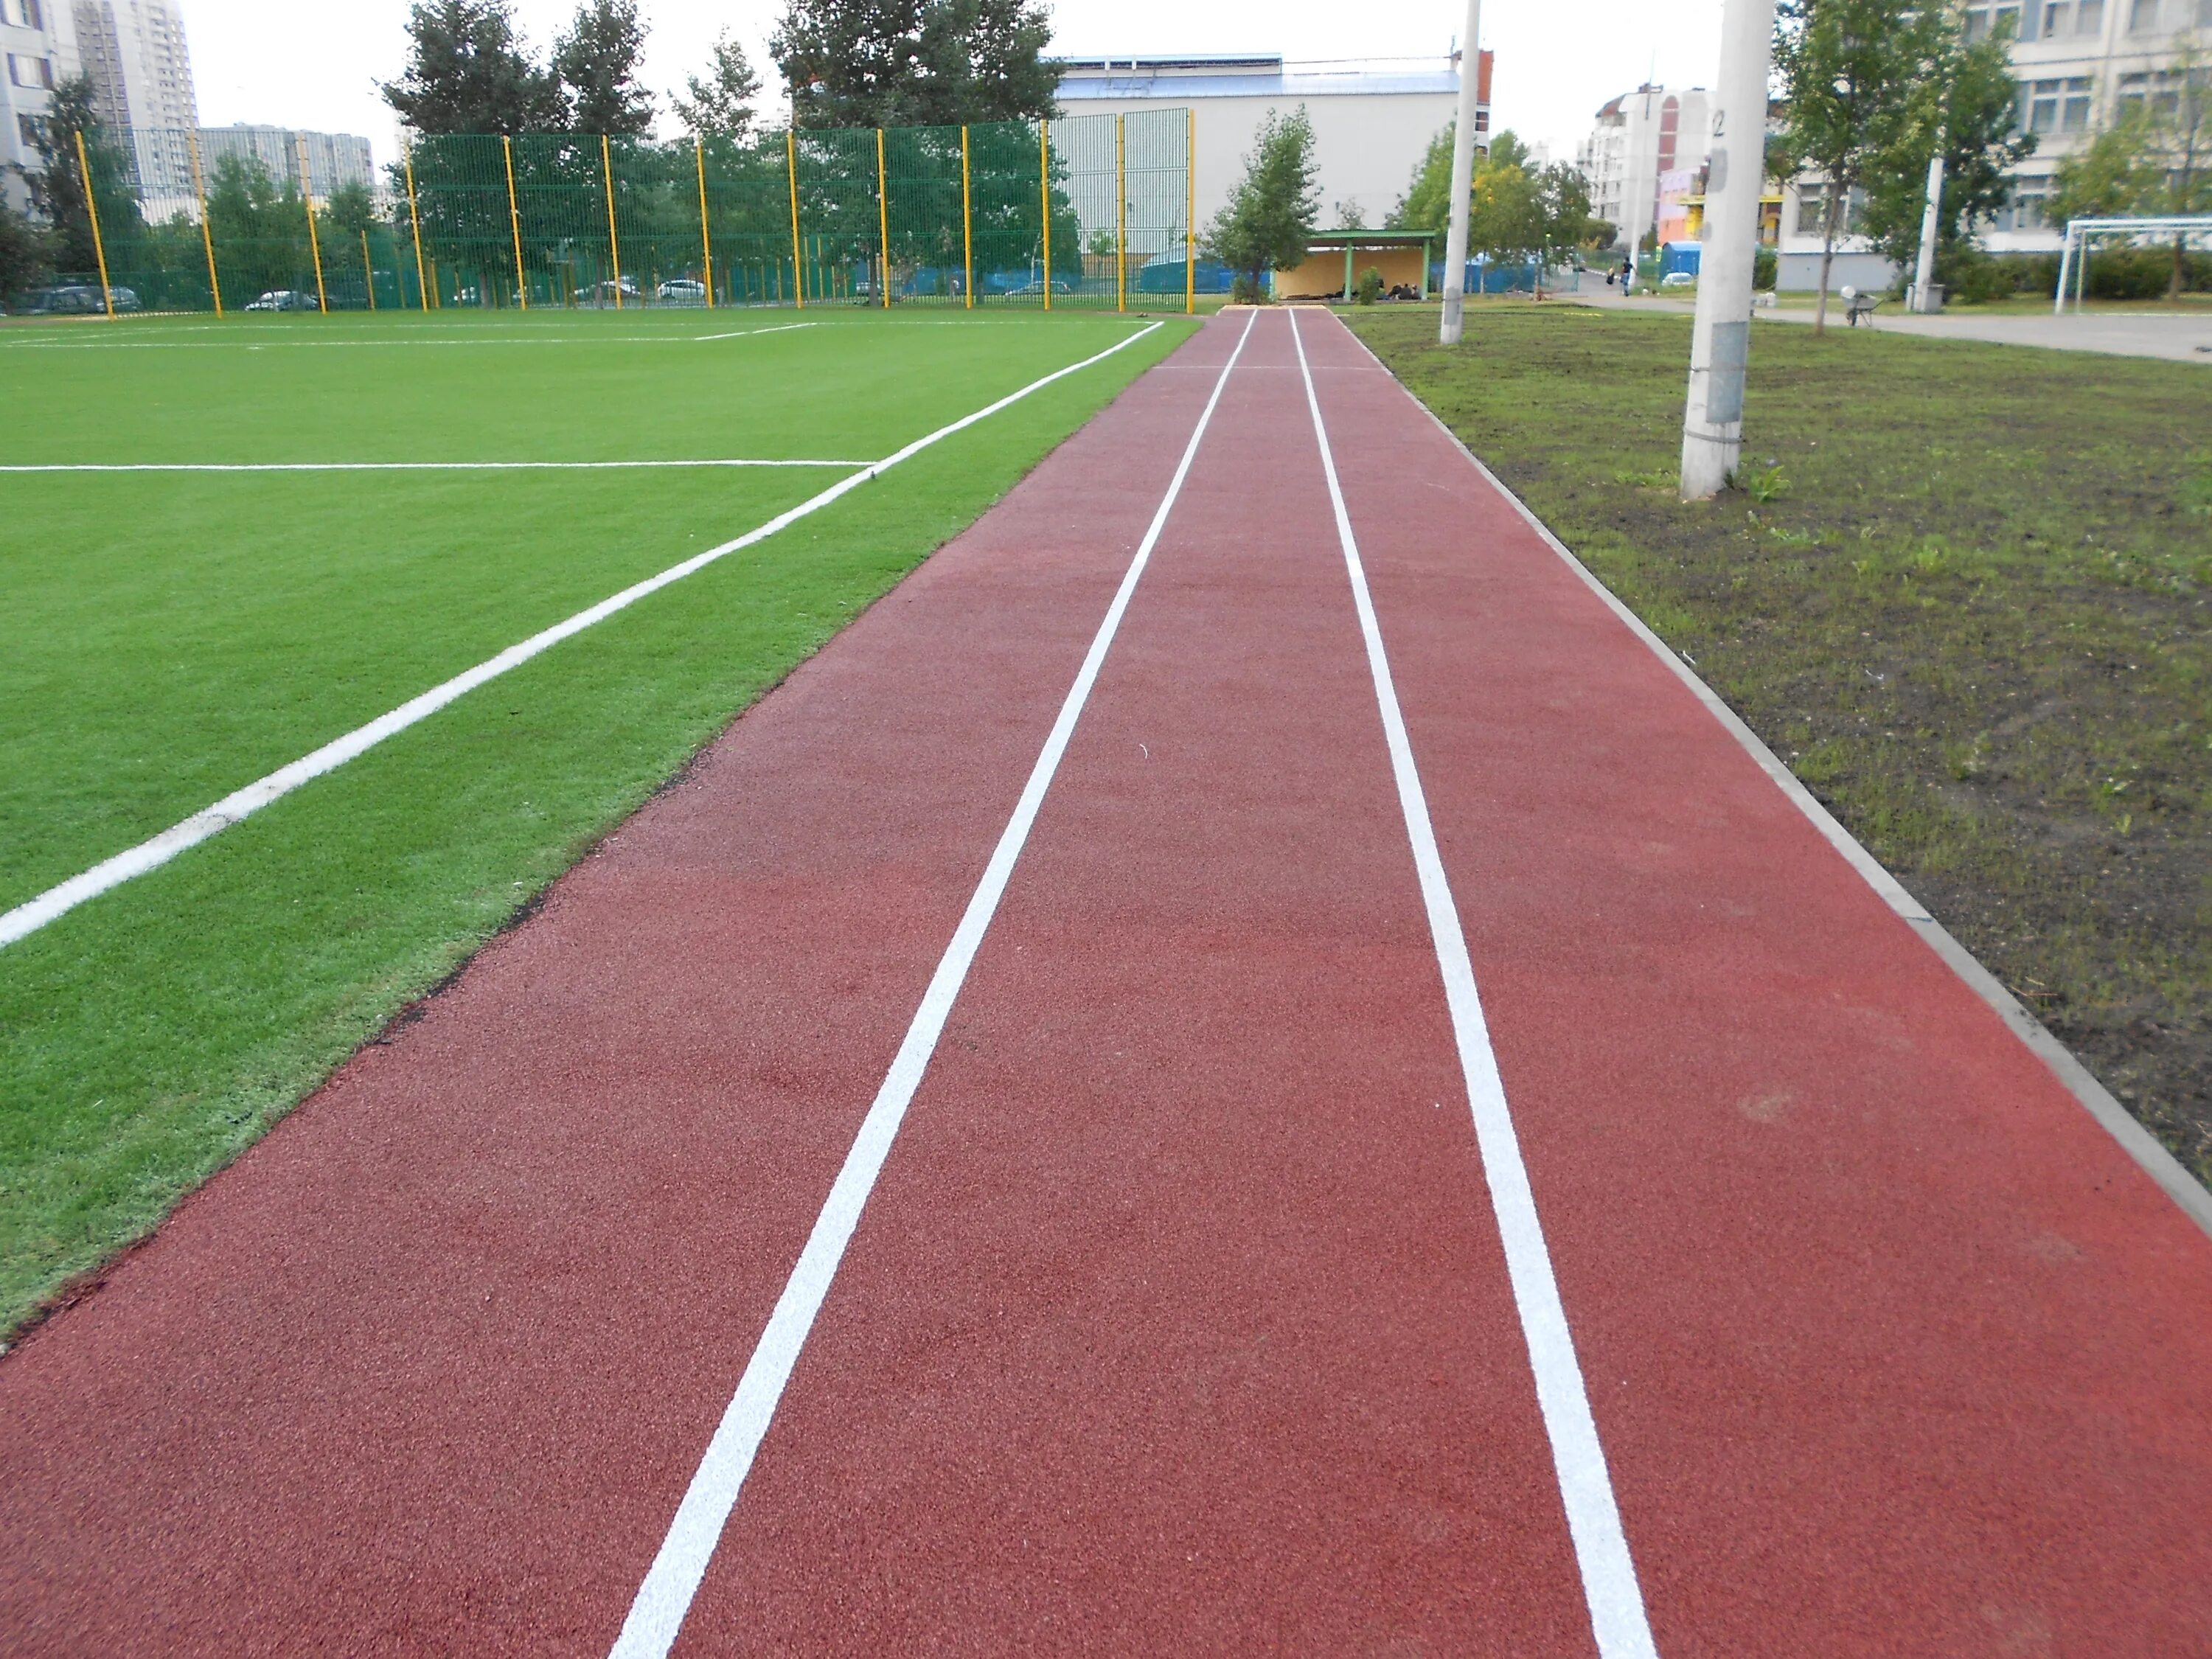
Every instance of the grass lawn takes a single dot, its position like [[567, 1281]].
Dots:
[[169, 637], [1967, 596]]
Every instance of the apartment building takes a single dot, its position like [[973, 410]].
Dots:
[[333, 159], [40, 52], [133, 52], [1642, 159], [2080, 63]]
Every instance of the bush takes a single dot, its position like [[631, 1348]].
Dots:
[[1970, 277], [1245, 291], [1370, 286], [1764, 263]]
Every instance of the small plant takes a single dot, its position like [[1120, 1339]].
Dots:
[[1370, 286], [1245, 291], [1764, 484], [1646, 480]]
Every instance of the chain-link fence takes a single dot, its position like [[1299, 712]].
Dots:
[[1092, 212]]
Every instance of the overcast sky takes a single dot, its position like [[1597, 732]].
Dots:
[[314, 65]]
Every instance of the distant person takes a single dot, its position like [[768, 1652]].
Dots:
[[1627, 273]]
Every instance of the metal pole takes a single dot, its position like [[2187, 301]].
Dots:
[[367, 271], [614, 246], [1044, 197], [515, 221], [798, 263], [2065, 273], [883, 223], [966, 225], [207, 232], [415, 219], [1720, 336], [92, 212], [1120, 218], [706, 240], [1924, 272], [315, 242], [1190, 212], [1462, 177]]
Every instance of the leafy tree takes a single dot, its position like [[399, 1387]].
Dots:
[[352, 209], [1270, 219], [468, 70], [914, 62], [2155, 159], [721, 101], [1969, 104], [1426, 204], [1849, 71], [24, 253], [596, 61], [57, 184], [1516, 211], [260, 227], [1350, 215]]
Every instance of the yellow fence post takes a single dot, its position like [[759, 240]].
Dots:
[[1044, 197], [415, 219], [1120, 219], [1190, 212], [706, 240], [207, 232], [367, 271], [314, 240], [882, 220], [92, 211], [514, 222], [798, 262], [614, 247], [966, 225]]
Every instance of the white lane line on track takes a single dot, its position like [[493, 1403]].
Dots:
[[1610, 1588], [665, 1597], [35, 913], [386, 467]]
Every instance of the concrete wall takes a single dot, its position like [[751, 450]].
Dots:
[[1800, 273]]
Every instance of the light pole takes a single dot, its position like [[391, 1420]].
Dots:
[[1924, 272], [1463, 178], [1720, 338]]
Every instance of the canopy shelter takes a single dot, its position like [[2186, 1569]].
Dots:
[[1335, 259]]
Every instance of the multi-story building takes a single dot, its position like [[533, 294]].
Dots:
[[1641, 158], [133, 52], [2080, 65], [40, 52], [333, 160], [1372, 121]]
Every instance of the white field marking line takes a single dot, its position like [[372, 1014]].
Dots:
[[460, 344], [740, 333], [665, 1597], [1608, 1575], [386, 467], [35, 913]]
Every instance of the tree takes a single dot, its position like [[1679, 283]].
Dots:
[[596, 61], [352, 209], [1849, 70], [2155, 159], [1270, 219], [468, 70], [1970, 105], [914, 62], [1426, 204], [24, 261], [721, 101]]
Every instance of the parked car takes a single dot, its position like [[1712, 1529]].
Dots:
[[683, 291], [285, 299], [1679, 279], [606, 291], [1059, 285], [67, 299]]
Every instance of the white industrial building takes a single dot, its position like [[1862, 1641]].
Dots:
[[1372, 121], [133, 51]]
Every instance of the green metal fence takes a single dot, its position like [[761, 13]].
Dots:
[[1092, 212]]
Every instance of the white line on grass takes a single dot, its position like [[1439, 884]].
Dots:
[[384, 466], [35, 913], [1608, 1575], [740, 333], [665, 1597], [462, 343]]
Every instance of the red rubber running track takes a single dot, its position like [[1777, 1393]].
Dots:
[[1180, 1320]]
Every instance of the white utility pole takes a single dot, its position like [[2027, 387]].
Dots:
[[1924, 272], [1720, 338], [1470, 96]]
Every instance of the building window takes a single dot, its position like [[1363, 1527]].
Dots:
[[2038, 103], [1983, 22], [2142, 17], [31, 72], [2025, 212], [1813, 211], [2074, 116], [23, 14], [2089, 17], [2054, 17]]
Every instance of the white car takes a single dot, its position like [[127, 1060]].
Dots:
[[1679, 279], [681, 290], [285, 299]]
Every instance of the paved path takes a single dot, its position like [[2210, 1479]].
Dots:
[[2180, 336], [1191, 1312]]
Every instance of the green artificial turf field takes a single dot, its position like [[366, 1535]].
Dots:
[[171, 636]]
